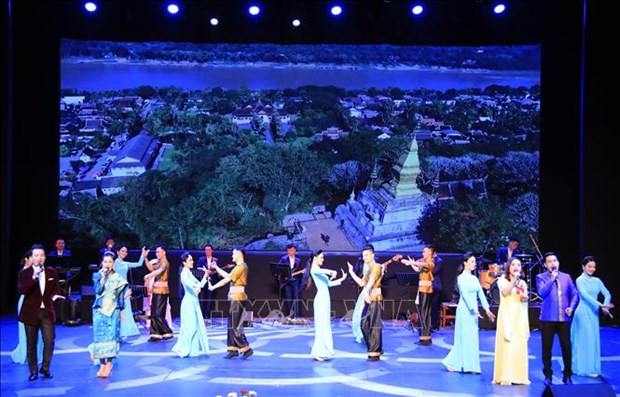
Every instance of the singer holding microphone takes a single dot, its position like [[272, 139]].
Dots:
[[585, 333], [559, 300], [110, 290], [513, 328], [40, 288]]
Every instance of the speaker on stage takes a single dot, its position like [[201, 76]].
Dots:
[[59, 307], [533, 315], [86, 306], [73, 307], [88, 298], [580, 390], [484, 322]]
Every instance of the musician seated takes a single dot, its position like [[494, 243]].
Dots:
[[509, 251], [59, 257]]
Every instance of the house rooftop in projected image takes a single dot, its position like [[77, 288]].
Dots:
[[136, 157]]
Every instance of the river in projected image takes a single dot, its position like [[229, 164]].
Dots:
[[327, 147], [94, 76]]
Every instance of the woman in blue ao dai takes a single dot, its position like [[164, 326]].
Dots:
[[465, 353], [192, 339], [584, 331], [323, 346], [128, 326]]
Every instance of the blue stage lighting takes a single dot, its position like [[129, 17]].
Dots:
[[173, 8], [90, 6], [254, 10], [417, 9], [499, 8], [336, 10], [296, 23]]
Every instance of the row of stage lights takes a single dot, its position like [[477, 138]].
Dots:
[[254, 10]]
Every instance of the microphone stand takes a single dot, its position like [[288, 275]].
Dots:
[[533, 296], [486, 246], [487, 291]]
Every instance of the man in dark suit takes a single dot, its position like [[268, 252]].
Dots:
[[40, 288], [504, 253], [60, 256], [290, 285], [109, 246], [206, 296]]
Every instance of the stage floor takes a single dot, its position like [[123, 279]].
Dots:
[[282, 365]]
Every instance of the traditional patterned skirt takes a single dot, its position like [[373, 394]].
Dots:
[[106, 335]]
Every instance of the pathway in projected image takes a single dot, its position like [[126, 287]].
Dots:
[[326, 234], [282, 365]]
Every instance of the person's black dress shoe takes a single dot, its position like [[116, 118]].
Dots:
[[46, 374], [247, 354], [548, 381], [231, 354], [567, 380], [33, 376]]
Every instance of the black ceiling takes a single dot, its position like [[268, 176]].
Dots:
[[455, 22]]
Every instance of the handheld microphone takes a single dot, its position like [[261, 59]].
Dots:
[[39, 267], [554, 271]]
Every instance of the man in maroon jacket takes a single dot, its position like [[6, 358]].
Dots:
[[41, 288]]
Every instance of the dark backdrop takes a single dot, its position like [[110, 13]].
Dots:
[[577, 207]]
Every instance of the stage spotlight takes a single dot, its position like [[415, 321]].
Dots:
[[336, 10], [214, 21], [90, 6], [417, 9], [254, 10], [499, 8], [172, 8], [296, 23]]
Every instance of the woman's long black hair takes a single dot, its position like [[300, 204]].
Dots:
[[306, 281]]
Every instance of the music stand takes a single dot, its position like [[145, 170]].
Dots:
[[532, 296], [280, 271], [138, 291], [65, 276], [198, 273], [409, 279]]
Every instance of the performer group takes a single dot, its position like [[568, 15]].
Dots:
[[569, 309]]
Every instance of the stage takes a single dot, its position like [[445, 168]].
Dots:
[[282, 365]]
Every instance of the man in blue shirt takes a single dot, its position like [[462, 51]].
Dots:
[[559, 300]]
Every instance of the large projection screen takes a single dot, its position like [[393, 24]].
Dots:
[[327, 146]]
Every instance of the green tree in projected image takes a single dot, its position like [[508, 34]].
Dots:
[[243, 196]]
